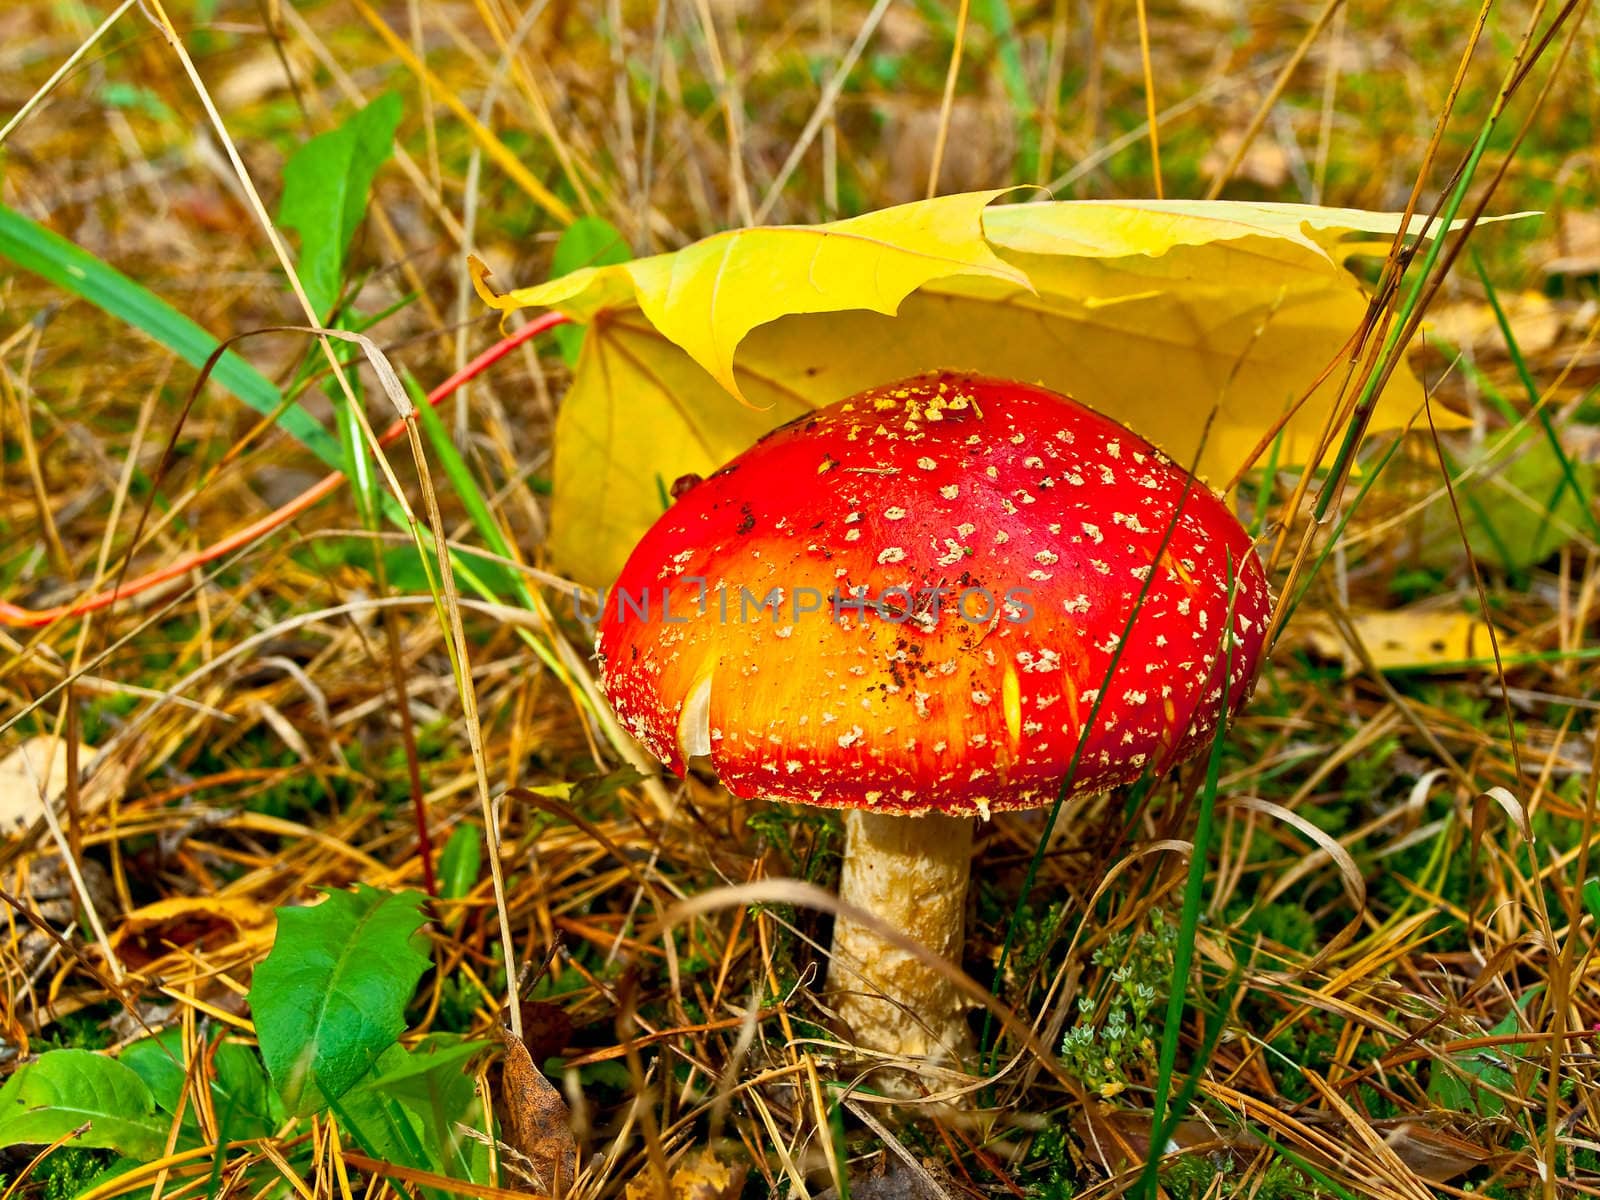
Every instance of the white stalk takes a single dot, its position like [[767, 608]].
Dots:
[[910, 872]]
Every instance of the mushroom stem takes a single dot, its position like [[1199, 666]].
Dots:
[[911, 872]]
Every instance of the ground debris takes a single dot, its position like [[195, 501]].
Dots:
[[702, 1175], [38, 766], [890, 1178]]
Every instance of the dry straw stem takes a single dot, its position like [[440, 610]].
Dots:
[[43, 91], [1270, 101], [1151, 121], [942, 134], [492, 145], [1386, 295], [793, 891]]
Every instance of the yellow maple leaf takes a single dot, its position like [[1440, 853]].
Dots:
[[708, 296], [1158, 314]]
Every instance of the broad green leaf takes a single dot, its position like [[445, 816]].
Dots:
[[461, 861], [409, 1107], [325, 187], [1155, 313], [435, 1057], [589, 241], [1518, 508], [62, 1089], [34, 248], [240, 1093], [331, 996], [245, 1104], [159, 1062], [1458, 1090]]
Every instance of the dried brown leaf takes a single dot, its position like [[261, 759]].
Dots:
[[1537, 323], [535, 1119], [193, 924], [1576, 248], [546, 1028], [1118, 1139], [1437, 1157], [1265, 162]]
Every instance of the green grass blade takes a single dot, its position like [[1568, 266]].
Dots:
[[47, 254], [1338, 531], [995, 16], [1480, 514], [357, 465], [1304, 1167], [1194, 888], [1569, 474], [1393, 347], [1162, 1134], [472, 498], [467, 490], [1032, 873], [1269, 472]]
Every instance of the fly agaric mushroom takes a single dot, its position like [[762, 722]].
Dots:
[[905, 605]]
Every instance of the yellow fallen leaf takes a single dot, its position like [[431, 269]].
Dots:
[[701, 1175], [708, 296], [1411, 639], [239, 911], [192, 924], [1155, 313]]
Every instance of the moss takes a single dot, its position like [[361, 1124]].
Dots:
[[1288, 925], [1049, 1174], [83, 1030], [68, 1171], [1196, 1178]]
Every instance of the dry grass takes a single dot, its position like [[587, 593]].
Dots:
[[1394, 977]]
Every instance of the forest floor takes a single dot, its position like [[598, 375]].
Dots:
[[1393, 989]]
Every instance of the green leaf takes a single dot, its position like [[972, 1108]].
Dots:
[[1460, 1092], [331, 996], [408, 1108], [325, 188], [240, 1094], [245, 1103], [1524, 504], [159, 1062], [588, 242], [62, 1089], [1591, 897], [34, 248], [419, 1070], [460, 863], [135, 99]]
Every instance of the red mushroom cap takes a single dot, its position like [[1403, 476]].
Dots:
[[759, 621]]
